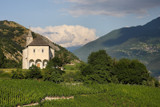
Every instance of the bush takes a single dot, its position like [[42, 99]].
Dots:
[[86, 69], [55, 62], [18, 74], [53, 74], [34, 73]]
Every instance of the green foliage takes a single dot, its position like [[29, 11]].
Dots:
[[72, 73], [101, 68], [53, 74], [4, 75], [20, 92], [73, 77], [1, 58], [130, 71], [56, 62], [115, 96], [18, 74], [56, 76], [34, 73], [11, 64], [98, 68], [65, 55], [100, 60], [86, 69]]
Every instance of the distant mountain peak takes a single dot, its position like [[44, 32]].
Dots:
[[154, 23]]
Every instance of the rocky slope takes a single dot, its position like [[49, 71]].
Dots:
[[13, 41]]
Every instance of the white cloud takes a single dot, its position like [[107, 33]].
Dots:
[[67, 36], [111, 7]]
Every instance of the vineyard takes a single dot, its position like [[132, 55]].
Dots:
[[21, 92]]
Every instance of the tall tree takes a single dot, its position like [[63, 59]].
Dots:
[[131, 71], [99, 68], [100, 60]]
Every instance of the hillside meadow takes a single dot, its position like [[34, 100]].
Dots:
[[20, 92]]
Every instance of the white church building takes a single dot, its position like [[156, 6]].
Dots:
[[37, 52]]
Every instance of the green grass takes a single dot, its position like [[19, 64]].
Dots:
[[71, 68], [14, 92], [5, 74], [116, 95], [7, 69]]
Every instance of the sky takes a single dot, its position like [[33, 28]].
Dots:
[[72, 23]]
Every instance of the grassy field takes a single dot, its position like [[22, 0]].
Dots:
[[5, 73], [71, 67], [19, 92], [7, 69]]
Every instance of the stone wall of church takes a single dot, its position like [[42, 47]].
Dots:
[[24, 60], [38, 55]]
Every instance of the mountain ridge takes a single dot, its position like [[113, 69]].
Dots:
[[140, 42]]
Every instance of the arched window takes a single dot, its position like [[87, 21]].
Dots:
[[34, 50], [42, 50], [45, 63], [31, 62], [38, 63]]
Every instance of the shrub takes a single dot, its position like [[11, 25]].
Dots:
[[18, 74], [55, 62], [53, 74], [34, 73]]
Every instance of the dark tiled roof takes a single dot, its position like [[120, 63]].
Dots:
[[38, 42]]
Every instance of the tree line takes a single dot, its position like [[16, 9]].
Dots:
[[100, 68]]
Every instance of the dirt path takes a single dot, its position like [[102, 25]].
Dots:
[[47, 98]]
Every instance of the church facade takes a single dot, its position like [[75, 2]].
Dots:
[[37, 52]]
